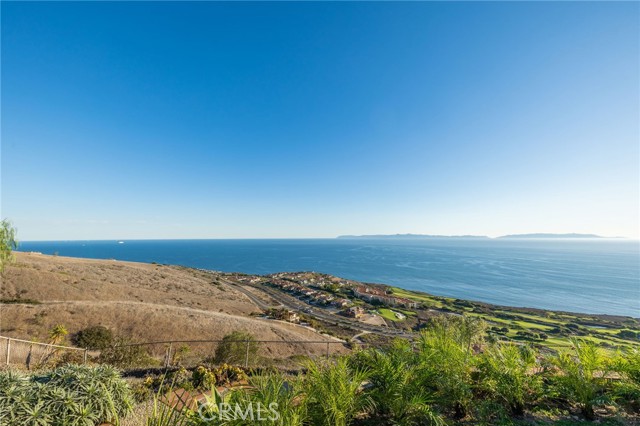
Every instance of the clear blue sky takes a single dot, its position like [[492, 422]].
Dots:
[[221, 120]]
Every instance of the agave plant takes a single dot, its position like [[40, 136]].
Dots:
[[69, 395]]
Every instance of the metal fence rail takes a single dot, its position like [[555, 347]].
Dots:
[[187, 353], [24, 353]]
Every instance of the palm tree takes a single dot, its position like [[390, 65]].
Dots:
[[395, 392], [334, 393], [627, 365], [446, 361], [582, 376], [508, 373]]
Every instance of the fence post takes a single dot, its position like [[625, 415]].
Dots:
[[29, 355], [8, 349], [327, 351], [84, 358], [168, 363], [246, 356]]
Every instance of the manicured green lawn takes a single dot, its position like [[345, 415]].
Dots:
[[389, 314], [532, 325], [431, 301], [537, 318]]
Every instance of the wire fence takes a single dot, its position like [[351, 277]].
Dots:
[[186, 353], [247, 353], [35, 355]]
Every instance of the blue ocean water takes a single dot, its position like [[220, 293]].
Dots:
[[591, 276]]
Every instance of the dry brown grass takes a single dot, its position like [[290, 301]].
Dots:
[[142, 301]]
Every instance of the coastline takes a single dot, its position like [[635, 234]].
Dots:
[[545, 328], [408, 290], [584, 276]]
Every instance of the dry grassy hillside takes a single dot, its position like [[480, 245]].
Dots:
[[143, 301]]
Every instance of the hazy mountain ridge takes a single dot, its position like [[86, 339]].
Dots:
[[544, 235], [513, 236], [413, 236]]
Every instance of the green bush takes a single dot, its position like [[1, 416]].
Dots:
[[627, 390], [272, 390], [95, 337], [509, 376], [582, 379], [334, 393], [237, 348], [125, 354], [203, 378], [226, 374], [396, 394], [447, 361], [67, 396]]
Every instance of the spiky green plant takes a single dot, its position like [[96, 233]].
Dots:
[[582, 376], [627, 365], [69, 395], [446, 360], [398, 397], [281, 401], [508, 374], [334, 392], [162, 414]]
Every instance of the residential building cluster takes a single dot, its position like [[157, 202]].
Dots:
[[314, 296], [371, 294]]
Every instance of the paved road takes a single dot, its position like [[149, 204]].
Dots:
[[294, 304], [261, 304]]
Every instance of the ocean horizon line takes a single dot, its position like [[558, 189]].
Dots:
[[443, 237]]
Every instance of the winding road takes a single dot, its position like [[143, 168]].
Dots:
[[294, 304]]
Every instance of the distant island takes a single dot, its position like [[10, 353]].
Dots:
[[475, 237], [413, 236], [539, 236]]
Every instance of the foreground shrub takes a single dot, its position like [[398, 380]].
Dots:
[[273, 392], [334, 393], [226, 374], [582, 376], [203, 378], [67, 396], [95, 337], [398, 397], [627, 390], [447, 360], [508, 375]]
